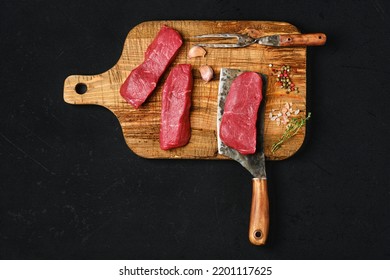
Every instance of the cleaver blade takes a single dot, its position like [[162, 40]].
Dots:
[[254, 163]]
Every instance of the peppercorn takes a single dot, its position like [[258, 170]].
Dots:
[[283, 78]]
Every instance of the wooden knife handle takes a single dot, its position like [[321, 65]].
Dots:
[[302, 40], [259, 217]]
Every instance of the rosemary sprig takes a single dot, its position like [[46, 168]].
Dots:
[[291, 130]]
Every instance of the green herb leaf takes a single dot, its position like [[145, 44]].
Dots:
[[291, 130]]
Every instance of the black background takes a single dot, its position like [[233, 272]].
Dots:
[[70, 188]]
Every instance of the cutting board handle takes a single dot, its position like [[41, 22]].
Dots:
[[88, 89], [259, 216]]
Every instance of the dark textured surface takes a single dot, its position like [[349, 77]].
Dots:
[[70, 188]]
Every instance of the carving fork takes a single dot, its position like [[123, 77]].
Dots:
[[279, 40]]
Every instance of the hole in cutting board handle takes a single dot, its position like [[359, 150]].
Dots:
[[81, 88]]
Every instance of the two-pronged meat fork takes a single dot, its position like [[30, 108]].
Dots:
[[279, 40]]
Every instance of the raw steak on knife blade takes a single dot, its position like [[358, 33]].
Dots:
[[143, 79], [238, 124], [175, 128]]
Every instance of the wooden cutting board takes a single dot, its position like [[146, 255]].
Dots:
[[141, 126]]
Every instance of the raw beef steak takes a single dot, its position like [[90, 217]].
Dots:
[[175, 130], [143, 79], [238, 124]]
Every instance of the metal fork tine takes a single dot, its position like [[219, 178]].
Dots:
[[219, 45], [242, 40], [221, 35]]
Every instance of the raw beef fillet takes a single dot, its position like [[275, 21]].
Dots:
[[175, 130], [143, 79], [238, 124]]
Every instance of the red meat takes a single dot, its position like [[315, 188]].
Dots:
[[143, 79], [175, 130], [238, 124]]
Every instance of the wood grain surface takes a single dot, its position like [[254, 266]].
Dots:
[[141, 126]]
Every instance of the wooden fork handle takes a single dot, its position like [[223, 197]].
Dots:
[[259, 216], [302, 40]]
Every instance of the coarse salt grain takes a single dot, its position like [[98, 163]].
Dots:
[[282, 116]]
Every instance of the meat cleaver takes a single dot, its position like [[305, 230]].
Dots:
[[254, 163]]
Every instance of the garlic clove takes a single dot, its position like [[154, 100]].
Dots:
[[196, 51], [206, 72]]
